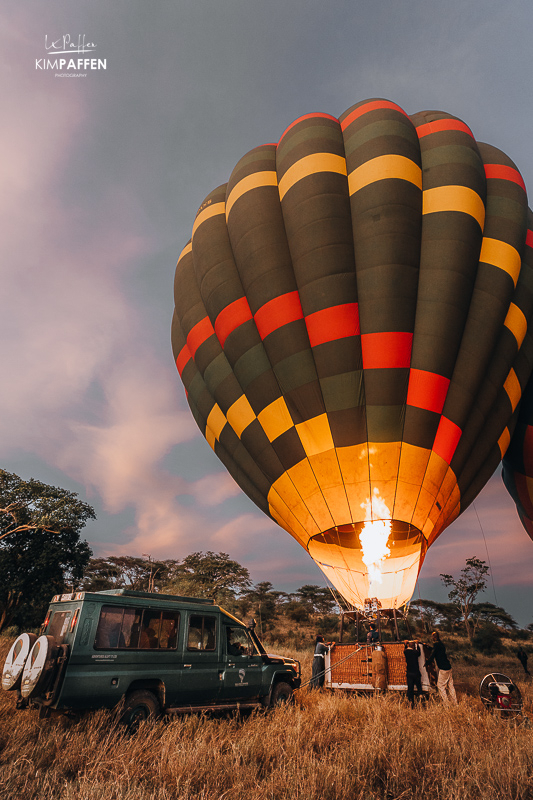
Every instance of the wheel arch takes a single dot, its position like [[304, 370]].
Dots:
[[155, 685]]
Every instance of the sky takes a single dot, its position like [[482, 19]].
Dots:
[[102, 176]]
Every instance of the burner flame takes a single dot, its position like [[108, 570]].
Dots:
[[374, 538]]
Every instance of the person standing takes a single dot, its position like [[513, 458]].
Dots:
[[319, 663], [445, 680], [522, 657], [411, 653], [372, 636]]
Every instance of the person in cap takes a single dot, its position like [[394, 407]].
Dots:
[[319, 664], [411, 651], [445, 679]]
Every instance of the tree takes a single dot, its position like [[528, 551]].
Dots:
[[263, 599], [33, 505], [117, 572], [34, 566], [40, 549], [432, 614], [317, 599], [487, 613], [211, 575], [465, 589]]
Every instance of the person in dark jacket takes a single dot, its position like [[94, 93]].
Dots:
[[411, 653], [372, 636], [445, 680], [522, 657], [318, 674]]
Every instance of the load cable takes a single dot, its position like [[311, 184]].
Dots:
[[328, 669], [487, 551]]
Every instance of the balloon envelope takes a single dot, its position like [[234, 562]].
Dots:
[[518, 462], [352, 327]]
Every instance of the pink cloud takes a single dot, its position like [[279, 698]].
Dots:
[[84, 388]]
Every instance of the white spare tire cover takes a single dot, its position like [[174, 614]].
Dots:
[[16, 658], [38, 667]]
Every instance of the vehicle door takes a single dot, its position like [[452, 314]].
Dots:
[[242, 677], [202, 667]]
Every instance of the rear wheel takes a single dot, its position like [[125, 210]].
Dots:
[[138, 707], [15, 661], [281, 694]]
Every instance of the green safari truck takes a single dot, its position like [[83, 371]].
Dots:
[[146, 654]]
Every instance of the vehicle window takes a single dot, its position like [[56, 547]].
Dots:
[[150, 630], [169, 630], [202, 633], [108, 631], [239, 642], [136, 629], [59, 624], [131, 628]]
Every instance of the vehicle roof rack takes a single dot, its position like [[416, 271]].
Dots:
[[155, 596]]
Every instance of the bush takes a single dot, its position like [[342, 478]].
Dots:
[[297, 612], [329, 623], [488, 640]]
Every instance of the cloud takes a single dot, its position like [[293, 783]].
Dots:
[[214, 489], [489, 529], [84, 388]]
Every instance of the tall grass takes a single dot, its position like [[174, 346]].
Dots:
[[325, 747]]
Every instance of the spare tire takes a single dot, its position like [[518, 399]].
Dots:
[[39, 666], [15, 661]]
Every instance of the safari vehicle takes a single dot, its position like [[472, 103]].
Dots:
[[145, 654]]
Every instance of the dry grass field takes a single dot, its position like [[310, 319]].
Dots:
[[325, 747]]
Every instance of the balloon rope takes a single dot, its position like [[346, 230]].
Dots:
[[328, 669], [487, 551]]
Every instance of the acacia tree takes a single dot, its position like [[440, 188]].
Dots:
[[40, 549], [210, 575], [488, 613], [317, 599], [33, 505], [432, 614], [465, 589], [263, 600], [131, 572]]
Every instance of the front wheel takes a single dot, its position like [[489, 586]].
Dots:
[[282, 694], [139, 706]]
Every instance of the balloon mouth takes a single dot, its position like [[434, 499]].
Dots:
[[342, 553]]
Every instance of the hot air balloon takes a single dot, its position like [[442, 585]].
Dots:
[[353, 329], [517, 470]]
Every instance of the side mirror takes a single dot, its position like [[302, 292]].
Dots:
[[252, 625]]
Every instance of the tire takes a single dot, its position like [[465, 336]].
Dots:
[[16, 660], [282, 694], [138, 707], [39, 667]]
